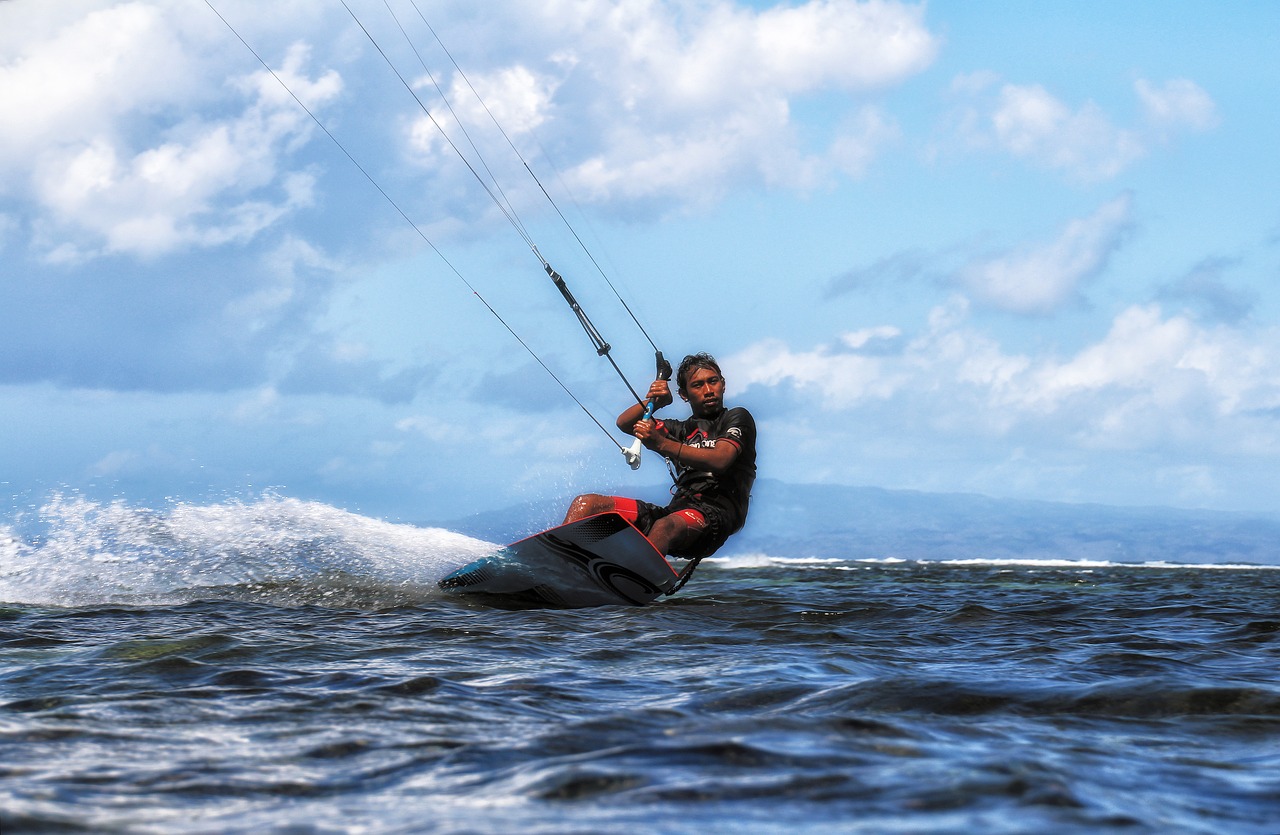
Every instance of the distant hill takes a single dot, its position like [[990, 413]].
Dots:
[[807, 520]]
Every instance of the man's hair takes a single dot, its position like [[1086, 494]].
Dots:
[[691, 363]]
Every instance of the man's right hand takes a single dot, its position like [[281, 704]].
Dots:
[[647, 432], [660, 394]]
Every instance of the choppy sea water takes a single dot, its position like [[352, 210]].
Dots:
[[285, 666]]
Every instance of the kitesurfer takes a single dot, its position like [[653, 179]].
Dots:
[[714, 456]]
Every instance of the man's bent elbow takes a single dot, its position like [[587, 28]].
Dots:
[[721, 464]]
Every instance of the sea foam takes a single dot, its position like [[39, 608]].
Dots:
[[274, 549]]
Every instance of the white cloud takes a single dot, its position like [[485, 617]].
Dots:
[[841, 378], [689, 100], [194, 187], [1030, 123], [797, 49], [115, 128], [515, 97], [1041, 278], [1083, 142], [1152, 382], [1168, 360], [1141, 351], [289, 276], [857, 340], [70, 86], [121, 126], [1179, 102]]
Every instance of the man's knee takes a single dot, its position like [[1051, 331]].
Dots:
[[588, 504], [677, 530]]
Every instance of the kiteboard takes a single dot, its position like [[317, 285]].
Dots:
[[599, 560]]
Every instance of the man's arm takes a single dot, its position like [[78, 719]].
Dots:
[[659, 393], [714, 459]]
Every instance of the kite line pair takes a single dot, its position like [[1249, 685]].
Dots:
[[494, 190]]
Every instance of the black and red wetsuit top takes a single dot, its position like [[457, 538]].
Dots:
[[731, 492]]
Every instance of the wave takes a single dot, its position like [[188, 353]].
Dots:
[[272, 549], [277, 550], [763, 560]]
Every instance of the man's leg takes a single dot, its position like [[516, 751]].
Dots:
[[588, 504], [677, 530]]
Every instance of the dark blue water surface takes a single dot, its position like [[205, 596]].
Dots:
[[282, 666]]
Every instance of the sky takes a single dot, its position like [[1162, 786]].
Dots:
[[1021, 250]]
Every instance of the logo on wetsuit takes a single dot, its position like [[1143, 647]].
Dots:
[[698, 438], [692, 518]]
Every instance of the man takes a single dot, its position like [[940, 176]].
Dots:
[[714, 453]]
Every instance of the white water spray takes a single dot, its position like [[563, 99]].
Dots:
[[272, 550]]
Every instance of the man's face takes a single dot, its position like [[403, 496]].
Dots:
[[705, 388]]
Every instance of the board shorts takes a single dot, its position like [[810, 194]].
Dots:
[[716, 527]]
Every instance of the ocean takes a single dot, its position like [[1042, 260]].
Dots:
[[275, 665]]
